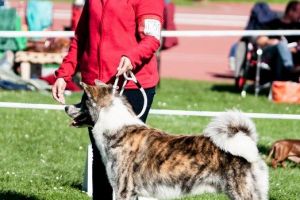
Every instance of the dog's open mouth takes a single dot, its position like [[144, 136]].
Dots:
[[82, 120]]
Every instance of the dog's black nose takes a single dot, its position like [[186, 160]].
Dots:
[[66, 108]]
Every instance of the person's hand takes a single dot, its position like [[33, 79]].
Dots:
[[58, 90], [293, 50], [262, 41], [124, 65], [273, 41]]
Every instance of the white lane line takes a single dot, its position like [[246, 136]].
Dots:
[[186, 33], [210, 16], [210, 22]]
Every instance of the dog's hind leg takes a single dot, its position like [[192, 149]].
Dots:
[[283, 164], [238, 188], [260, 177], [236, 193], [274, 163], [249, 184], [281, 154], [295, 159]]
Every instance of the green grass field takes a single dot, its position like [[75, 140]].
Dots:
[[43, 158]]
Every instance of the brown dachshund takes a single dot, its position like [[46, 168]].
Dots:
[[285, 149]]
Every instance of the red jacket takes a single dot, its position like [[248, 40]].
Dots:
[[106, 31]]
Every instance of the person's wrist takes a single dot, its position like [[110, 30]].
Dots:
[[62, 80]]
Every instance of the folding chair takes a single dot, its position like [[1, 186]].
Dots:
[[259, 84]]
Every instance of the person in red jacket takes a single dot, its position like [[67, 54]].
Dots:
[[113, 37]]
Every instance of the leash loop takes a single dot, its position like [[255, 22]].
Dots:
[[115, 85], [131, 78], [134, 79]]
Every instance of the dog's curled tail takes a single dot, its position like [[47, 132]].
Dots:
[[235, 133], [269, 158]]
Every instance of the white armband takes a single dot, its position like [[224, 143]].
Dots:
[[152, 27]]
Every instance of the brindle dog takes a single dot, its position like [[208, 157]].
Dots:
[[145, 162]]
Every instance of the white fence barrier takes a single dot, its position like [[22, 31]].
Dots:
[[155, 111], [192, 33]]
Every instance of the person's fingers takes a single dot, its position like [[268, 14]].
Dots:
[[60, 94], [124, 66], [58, 91], [120, 67], [54, 92], [128, 65]]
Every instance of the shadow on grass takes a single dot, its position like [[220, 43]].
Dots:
[[11, 195], [264, 149], [225, 88], [232, 89], [77, 186]]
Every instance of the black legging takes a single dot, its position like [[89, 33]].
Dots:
[[101, 186]]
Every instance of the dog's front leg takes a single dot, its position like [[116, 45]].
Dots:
[[124, 193], [124, 184], [125, 196], [132, 197], [114, 194]]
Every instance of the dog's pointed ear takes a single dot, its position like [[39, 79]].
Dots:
[[110, 87], [86, 89], [99, 83]]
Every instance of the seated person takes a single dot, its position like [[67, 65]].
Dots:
[[276, 51]]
